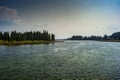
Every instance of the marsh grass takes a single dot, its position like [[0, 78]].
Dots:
[[2, 42]]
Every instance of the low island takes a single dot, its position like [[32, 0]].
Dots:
[[115, 37], [32, 37]]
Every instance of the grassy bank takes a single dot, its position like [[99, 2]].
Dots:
[[2, 42]]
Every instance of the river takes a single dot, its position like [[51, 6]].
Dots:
[[80, 60]]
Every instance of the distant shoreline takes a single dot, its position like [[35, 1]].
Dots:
[[109, 40], [25, 42], [99, 40]]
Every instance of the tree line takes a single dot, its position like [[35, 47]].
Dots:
[[18, 36], [114, 36], [79, 37]]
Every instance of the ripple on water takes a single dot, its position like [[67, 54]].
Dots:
[[68, 60]]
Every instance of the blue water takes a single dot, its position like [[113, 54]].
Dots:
[[82, 60]]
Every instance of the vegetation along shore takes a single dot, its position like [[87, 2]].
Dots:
[[115, 37], [18, 38]]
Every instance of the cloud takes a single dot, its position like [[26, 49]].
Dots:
[[8, 16]]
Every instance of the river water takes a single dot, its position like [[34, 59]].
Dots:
[[80, 60]]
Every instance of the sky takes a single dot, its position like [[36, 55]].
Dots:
[[64, 18]]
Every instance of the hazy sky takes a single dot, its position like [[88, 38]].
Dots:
[[64, 18]]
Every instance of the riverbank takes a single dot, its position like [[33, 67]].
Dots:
[[2, 42], [109, 40]]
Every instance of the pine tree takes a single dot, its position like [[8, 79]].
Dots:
[[1, 36], [6, 36], [53, 37]]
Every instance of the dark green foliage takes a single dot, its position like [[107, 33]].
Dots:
[[13, 35], [18, 36], [53, 37], [115, 36], [85, 38], [105, 37], [76, 38], [6, 36], [1, 36]]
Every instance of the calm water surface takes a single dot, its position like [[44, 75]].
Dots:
[[82, 60]]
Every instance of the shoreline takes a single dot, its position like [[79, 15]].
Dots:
[[99, 40], [25, 42], [29, 42], [109, 40]]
